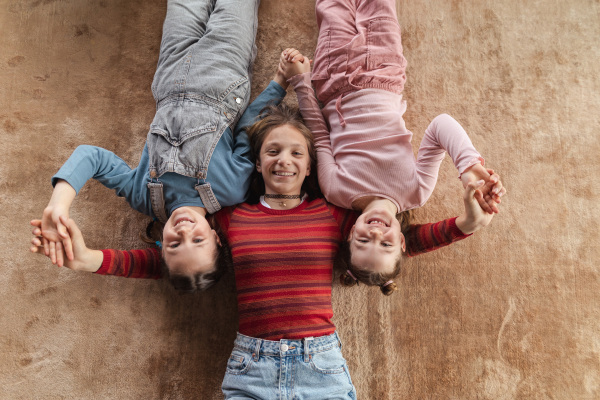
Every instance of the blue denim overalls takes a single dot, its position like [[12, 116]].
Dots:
[[201, 87]]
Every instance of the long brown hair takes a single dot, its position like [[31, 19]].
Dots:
[[272, 117], [351, 275]]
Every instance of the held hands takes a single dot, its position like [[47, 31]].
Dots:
[[83, 259], [54, 234], [489, 193], [292, 62], [474, 217]]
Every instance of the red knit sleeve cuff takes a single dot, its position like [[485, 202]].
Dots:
[[455, 230], [104, 268]]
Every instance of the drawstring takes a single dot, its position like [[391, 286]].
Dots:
[[338, 103]]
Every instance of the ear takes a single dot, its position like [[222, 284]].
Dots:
[[308, 170], [258, 167], [217, 238], [350, 234], [402, 242]]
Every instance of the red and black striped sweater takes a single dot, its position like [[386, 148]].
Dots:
[[283, 263]]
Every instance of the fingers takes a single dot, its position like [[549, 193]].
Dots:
[[473, 189], [46, 244], [67, 242], [52, 247], [292, 55], [60, 261]]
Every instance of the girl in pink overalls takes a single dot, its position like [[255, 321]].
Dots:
[[365, 156]]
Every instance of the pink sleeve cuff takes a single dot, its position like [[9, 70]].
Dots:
[[475, 160]]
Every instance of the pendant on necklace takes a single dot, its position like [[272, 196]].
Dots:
[[282, 204]]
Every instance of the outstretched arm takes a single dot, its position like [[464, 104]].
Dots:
[[311, 111], [445, 134], [142, 263], [83, 259], [428, 237]]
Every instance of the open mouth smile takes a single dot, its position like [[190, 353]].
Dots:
[[183, 219], [376, 222], [282, 173]]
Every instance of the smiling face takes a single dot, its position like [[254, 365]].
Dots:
[[376, 241], [189, 243], [284, 161]]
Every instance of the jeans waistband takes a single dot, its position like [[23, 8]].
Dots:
[[287, 347]]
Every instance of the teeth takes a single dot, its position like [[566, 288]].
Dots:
[[376, 221], [284, 173], [183, 220]]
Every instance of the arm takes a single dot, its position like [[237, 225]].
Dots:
[[144, 263], [428, 237], [311, 112], [445, 134]]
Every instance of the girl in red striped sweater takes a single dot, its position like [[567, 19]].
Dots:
[[283, 248]]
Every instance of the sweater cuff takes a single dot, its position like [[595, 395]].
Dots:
[[455, 231], [474, 161], [103, 270], [298, 80]]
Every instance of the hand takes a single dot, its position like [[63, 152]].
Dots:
[[54, 235], [488, 196], [474, 217], [84, 259], [292, 62]]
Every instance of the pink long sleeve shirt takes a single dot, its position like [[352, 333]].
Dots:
[[364, 148]]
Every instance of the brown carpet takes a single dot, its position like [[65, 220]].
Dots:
[[511, 313]]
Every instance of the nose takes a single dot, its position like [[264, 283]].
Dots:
[[375, 232], [283, 159]]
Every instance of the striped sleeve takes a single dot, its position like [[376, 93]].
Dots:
[[143, 263], [428, 237], [344, 217]]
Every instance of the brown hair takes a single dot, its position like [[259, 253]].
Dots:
[[199, 281], [272, 117], [351, 274]]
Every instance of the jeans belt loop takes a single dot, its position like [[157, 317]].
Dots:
[[306, 348], [256, 354]]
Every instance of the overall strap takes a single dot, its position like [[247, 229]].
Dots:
[[158, 201], [208, 197]]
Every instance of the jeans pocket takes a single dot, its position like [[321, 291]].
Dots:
[[329, 362], [239, 362], [384, 44]]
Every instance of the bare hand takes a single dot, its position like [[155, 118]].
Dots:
[[488, 196], [474, 217], [292, 62], [84, 259]]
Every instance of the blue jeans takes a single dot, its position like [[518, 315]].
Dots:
[[301, 369], [201, 85]]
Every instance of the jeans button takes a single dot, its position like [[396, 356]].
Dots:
[[238, 100], [284, 347]]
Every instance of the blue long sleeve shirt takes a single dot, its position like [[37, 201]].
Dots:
[[229, 170]]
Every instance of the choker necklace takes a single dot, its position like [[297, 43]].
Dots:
[[283, 196]]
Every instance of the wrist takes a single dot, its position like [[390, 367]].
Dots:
[[92, 261], [466, 225], [280, 80]]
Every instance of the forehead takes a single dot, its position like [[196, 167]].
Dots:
[[285, 135]]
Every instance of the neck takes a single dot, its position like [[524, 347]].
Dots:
[[199, 210], [367, 203], [282, 203]]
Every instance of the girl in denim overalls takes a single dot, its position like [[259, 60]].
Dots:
[[366, 159], [194, 161]]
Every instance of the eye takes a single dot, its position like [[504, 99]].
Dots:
[[386, 244], [298, 153], [271, 152], [198, 240], [362, 240], [173, 245]]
